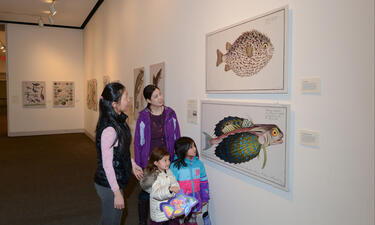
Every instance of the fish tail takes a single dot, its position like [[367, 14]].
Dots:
[[219, 57], [207, 138]]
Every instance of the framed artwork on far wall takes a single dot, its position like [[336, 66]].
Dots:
[[250, 56], [63, 94], [157, 76], [34, 94], [248, 138]]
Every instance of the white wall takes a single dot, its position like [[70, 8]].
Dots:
[[44, 54], [332, 184]]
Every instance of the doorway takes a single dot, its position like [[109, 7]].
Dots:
[[3, 83]]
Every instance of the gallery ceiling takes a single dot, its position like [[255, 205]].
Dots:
[[69, 13]]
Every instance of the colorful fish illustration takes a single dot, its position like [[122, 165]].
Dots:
[[178, 205], [138, 87], [249, 53], [239, 140]]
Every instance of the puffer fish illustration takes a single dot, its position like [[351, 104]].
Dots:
[[239, 140], [138, 87], [249, 53]]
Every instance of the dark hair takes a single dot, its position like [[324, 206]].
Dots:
[[156, 155], [181, 147], [147, 92], [107, 115]]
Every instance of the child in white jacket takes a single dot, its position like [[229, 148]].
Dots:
[[160, 182]]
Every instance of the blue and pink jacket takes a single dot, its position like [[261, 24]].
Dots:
[[193, 180]]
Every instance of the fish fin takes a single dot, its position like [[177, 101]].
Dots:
[[208, 138], [249, 51], [219, 57], [265, 157], [261, 139], [228, 46], [228, 129], [227, 68]]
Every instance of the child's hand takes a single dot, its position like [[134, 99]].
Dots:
[[174, 189]]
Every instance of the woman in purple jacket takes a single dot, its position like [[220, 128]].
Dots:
[[157, 126]]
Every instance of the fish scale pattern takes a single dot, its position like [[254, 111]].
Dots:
[[233, 121], [238, 148]]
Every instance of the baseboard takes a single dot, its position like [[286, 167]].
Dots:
[[47, 132], [90, 136]]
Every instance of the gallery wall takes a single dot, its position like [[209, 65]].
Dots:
[[45, 54], [329, 184], [2, 63]]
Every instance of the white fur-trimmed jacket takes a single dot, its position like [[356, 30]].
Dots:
[[157, 184]]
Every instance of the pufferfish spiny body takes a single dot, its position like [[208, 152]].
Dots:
[[249, 53], [239, 140]]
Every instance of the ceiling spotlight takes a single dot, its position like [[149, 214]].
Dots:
[[40, 22], [52, 8], [50, 18], [2, 47]]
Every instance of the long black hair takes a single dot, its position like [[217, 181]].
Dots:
[[181, 147], [107, 115], [147, 92]]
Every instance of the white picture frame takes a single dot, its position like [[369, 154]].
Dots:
[[216, 147], [249, 56]]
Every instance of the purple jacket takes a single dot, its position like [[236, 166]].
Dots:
[[142, 136]]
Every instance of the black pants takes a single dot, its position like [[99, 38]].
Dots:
[[143, 207]]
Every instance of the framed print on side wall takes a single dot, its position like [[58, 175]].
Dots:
[[139, 102], [249, 138], [250, 56]]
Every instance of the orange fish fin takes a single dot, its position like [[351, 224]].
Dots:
[[227, 68], [219, 57], [249, 51], [228, 46]]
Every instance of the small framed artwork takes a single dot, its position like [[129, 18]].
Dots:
[[250, 56], [34, 94], [92, 100], [63, 94], [248, 138], [139, 102], [157, 76]]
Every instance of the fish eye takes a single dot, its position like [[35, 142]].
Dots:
[[265, 45], [275, 132]]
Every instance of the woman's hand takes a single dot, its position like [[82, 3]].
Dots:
[[137, 170], [174, 189], [119, 202]]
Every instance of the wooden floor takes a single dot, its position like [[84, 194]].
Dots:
[[48, 180], [3, 121]]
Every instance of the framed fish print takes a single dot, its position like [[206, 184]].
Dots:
[[92, 100], [63, 94], [248, 138], [34, 94], [157, 76], [139, 102], [250, 56]]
